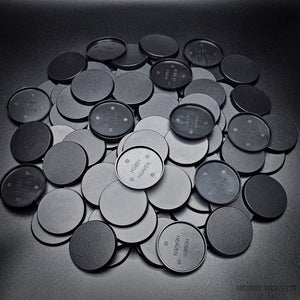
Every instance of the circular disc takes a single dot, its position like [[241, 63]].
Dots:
[[22, 186], [188, 215], [70, 108], [181, 247], [64, 163], [197, 203], [44, 237], [47, 87], [200, 73], [265, 197], [172, 191], [160, 104], [229, 231], [91, 86], [217, 182], [61, 211], [159, 46], [133, 88], [155, 123], [248, 98], [139, 167], [191, 121], [242, 161], [186, 152], [92, 246], [203, 53], [170, 74], [215, 140], [284, 133], [122, 206], [93, 146], [28, 104], [59, 132], [111, 120], [273, 162], [205, 101], [64, 67], [105, 49], [140, 231], [31, 141], [239, 69], [148, 248], [249, 132], [148, 138], [132, 59], [208, 87], [95, 180]]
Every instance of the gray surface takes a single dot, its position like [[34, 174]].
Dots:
[[32, 34]]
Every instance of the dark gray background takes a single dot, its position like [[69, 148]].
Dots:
[[32, 33]]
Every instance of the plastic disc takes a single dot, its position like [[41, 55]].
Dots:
[[229, 231], [31, 141], [181, 247], [28, 104], [64, 67], [265, 197], [22, 186], [92, 246], [191, 121], [217, 182], [139, 167]]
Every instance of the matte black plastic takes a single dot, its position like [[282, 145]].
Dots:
[[181, 247], [64, 163], [31, 141], [159, 46], [248, 98], [170, 74], [265, 197], [92, 86], [23, 185], [64, 67], [284, 133], [191, 121], [61, 211], [217, 182], [239, 69], [132, 59], [208, 87], [249, 132], [229, 231], [27, 105], [111, 120], [133, 88], [106, 49], [92, 246], [203, 53]]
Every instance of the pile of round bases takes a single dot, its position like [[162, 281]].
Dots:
[[171, 159]]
